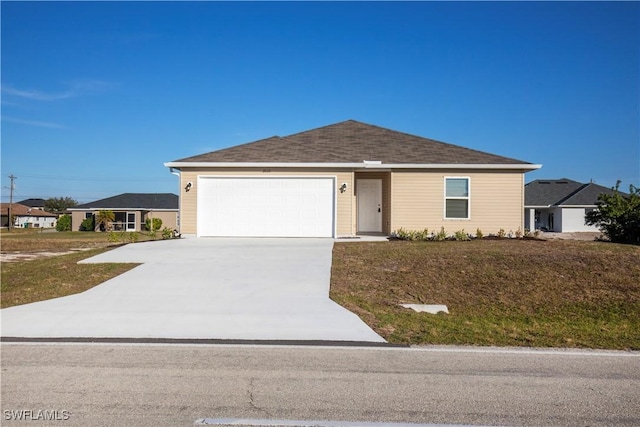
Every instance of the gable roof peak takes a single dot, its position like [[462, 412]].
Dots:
[[350, 142], [562, 192]]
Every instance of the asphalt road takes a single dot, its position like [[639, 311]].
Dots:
[[175, 385]]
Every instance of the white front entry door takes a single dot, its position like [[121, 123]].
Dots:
[[369, 193]]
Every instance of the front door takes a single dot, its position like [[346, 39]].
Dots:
[[131, 221], [369, 194]]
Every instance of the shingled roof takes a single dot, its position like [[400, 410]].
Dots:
[[562, 192], [134, 201], [33, 203], [351, 142], [22, 210]]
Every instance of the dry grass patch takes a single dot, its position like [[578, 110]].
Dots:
[[500, 292], [30, 281], [36, 241]]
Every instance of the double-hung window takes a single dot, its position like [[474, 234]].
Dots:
[[456, 197]]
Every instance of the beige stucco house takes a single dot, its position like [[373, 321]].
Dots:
[[347, 179], [131, 210]]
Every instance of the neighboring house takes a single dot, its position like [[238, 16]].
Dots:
[[26, 217], [131, 210], [560, 205], [33, 203], [346, 179]]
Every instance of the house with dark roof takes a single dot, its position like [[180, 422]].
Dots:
[[33, 203], [560, 205], [131, 210], [346, 179], [26, 216]]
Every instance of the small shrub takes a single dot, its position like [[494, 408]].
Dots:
[[64, 223], [422, 235], [412, 235], [167, 233], [461, 236], [399, 234], [618, 215], [133, 236], [87, 224], [502, 234], [519, 233], [113, 237], [153, 224], [479, 234], [440, 235]]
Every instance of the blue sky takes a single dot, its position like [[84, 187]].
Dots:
[[96, 96]]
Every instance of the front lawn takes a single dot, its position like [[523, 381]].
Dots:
[[499, 292], [41, 279], [25, 281]]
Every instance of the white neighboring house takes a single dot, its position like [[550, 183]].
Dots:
[[26, 217], [560, 205]]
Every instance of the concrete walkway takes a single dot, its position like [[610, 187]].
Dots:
[[250, 289]]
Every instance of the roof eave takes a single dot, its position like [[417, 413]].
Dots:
[[93, 208], [511, 166], [558, 206]]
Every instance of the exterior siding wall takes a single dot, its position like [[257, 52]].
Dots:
[[496, 201], [345, 224], [412, 199]]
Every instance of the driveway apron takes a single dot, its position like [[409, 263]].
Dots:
[[207, 288]]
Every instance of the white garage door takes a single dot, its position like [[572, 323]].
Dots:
[[266, 207]]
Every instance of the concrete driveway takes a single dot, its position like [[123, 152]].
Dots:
[[250, 289]]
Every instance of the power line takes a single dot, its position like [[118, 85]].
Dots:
[[10, 219], [85, 178]]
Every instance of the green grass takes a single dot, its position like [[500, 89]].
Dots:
[[499, 292], [41, 279], [33, 240]]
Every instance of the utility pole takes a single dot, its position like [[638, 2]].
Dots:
[[10, 222]]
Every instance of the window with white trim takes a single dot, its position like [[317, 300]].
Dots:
[[456, 197]]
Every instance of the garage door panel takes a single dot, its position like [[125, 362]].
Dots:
[[266, 207]]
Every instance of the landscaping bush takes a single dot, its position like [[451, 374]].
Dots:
[[87, 224], [153, 224], [461, 235], [64, 223], [167, 233], [618, 215], [440, 235]]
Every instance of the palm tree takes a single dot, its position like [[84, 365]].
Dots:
[[104, 220]]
